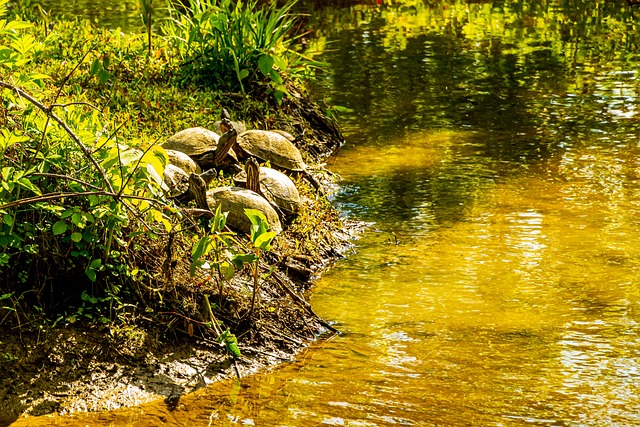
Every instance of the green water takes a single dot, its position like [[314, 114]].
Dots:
[[494, 148]]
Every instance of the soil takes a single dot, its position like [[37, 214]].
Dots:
[[79, 367]]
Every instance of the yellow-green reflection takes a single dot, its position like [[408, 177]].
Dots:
[[402, 153], [526, 312], [512, 295]]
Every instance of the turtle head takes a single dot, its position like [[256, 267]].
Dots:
[[209, 175], [225, 125], [225, 143], [252, 168], [198, 189], [224, 114]]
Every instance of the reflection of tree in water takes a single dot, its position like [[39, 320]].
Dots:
[[530, 78]]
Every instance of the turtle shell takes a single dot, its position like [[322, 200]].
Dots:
[[183, 161], [277, 188], [270, 146], [176, 179], [192, 141], [235, 200]]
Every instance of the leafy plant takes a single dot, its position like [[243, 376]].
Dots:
[[70, 191], [261, 238], [237, 45]]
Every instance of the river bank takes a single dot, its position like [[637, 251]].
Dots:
[[77, 367], [112, 294]]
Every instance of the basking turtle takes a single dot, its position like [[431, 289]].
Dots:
[[274, 186], [285, 134], [183, 161], [278, 150], [192, 141], [182, 187], [234, 200], [203, 147]]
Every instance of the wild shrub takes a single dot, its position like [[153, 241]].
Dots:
[[237, 46]]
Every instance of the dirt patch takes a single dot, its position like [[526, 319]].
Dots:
[[167, 347], [77, 368]]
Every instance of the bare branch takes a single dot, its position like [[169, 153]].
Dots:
[[66, 127], [67, 177], [64, 194], [75, 103]]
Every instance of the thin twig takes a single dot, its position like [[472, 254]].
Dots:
[[62, 195], [66, 127], [62, 85], [134, 170], [67, 177], [280, 281], [74, 103]]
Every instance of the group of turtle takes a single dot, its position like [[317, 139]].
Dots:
[[194, 150]]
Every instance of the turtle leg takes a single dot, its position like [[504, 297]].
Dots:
[[313, 181], [198, 188]]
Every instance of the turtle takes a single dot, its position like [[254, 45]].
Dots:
[[195, 140], [274, 186], [183, 161], [203, 147], [234, 200], [182, 187], [275, 148]]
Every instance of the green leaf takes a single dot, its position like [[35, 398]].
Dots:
[[91, 274], [76, 237], [227, 270], [280, 63], [265, 64], [17, 25], [263, 241], [96, 66], [231, 343], [59, 227], [278, 94], [25, 183], [201, 248], [255, 216], [275, 76], [239, 260], [39, 76], [6, 172], [219, 220], [195, 265], [8, 219], [96, 264], [88, 298]]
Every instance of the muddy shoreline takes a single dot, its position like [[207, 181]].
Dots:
[[76, 368]]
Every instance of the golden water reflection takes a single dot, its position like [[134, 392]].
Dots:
[[525, 311]]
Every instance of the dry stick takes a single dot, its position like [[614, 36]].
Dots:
[[297, 298], [98, 147], [62, 195], [75, 103], [76, 139], [67, 177]]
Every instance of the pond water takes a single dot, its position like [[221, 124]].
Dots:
[[494, 147]]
